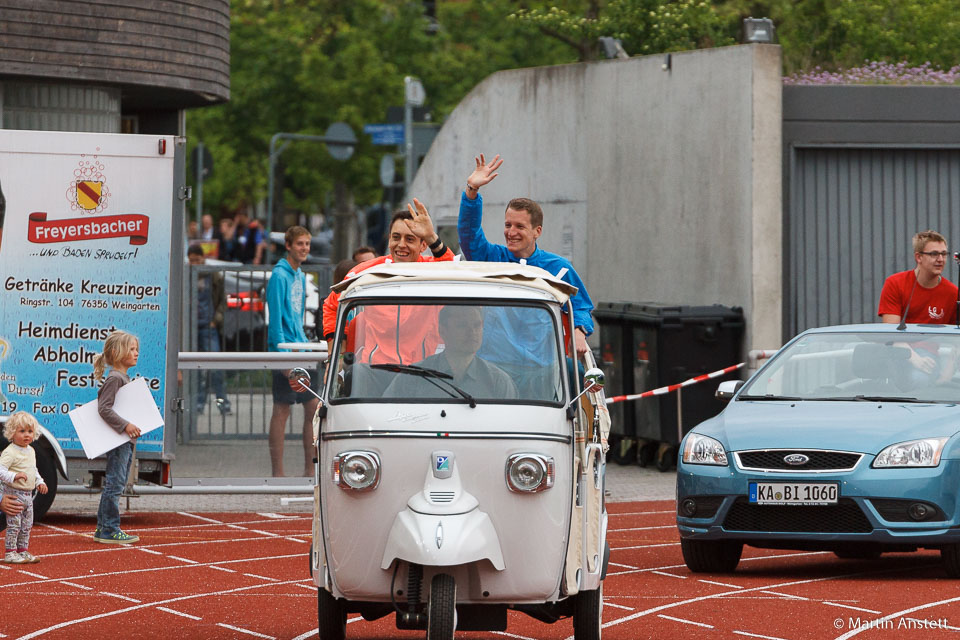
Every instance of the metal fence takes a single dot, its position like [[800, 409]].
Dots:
[[246, 403]]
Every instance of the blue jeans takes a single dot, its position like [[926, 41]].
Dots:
[[208, 339], [118, 467]]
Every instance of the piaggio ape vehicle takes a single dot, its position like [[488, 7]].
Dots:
[[459, 472]]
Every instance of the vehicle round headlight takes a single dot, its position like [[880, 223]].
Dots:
[[357, 470], [529, 472]]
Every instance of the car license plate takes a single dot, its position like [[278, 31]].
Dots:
[[799, 493]]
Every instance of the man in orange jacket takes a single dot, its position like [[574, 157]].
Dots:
[[411, 233]]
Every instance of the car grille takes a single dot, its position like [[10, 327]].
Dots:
[[442, 496], [843, 517], [772, 460]]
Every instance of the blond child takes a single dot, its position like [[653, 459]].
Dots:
[[120, 352], [19, 475]]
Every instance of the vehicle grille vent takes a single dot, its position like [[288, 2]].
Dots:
[[442, 496], [772, 460], [843, 517]]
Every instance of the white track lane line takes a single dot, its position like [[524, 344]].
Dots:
[[78, 586], [202, 518], [179, 613], [722, 584], [511, 635], [878, 623], [179, 559], [313, 632], [128, 548], [616, 606], [723, 594], [219, 568], [756, 635], [646, 546], [34, 575], [259, 577], [155, 569], [641, 513], [671, 575], [625, 566], [847, 606], [139, 607], [699, 624], [753, 559], [664, 526], [246, 631], [120, 596], [788, 596]]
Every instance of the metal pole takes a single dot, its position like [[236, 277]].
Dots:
[[679, 415], [199, 169], [407, 140]]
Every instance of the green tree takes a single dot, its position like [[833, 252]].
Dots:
[[299, 65], [643, 26]]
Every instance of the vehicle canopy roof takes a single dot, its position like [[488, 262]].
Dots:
[[444, 279]]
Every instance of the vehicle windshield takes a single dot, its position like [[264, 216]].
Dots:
[[889, 366], [448, 353]]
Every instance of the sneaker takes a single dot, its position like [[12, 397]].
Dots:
[[224, 406], [29, 558], [13, 557], [118, 537]]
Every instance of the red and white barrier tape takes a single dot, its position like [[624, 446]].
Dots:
[[673, 387]]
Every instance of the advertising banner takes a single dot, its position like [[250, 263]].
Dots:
[[85, 236]]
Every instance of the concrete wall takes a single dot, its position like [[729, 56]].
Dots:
[[660, 184]]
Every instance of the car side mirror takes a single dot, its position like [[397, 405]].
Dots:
[[728, 389], [299, 380]]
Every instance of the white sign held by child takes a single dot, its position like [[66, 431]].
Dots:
[[133, 402]]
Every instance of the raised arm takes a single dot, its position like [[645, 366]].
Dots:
[[483, 174]]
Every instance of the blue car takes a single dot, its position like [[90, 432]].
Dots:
[[847, 440]]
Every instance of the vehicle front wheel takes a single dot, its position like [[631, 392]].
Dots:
[[950, 554], [711, 556], [588, 614], [442, 608], [47, 468], [331, 616]]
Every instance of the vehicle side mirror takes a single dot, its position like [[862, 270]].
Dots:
[[299, 379], [728, 389], [593, 380]]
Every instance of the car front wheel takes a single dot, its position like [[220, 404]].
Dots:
[[711, 556], [950, 554]]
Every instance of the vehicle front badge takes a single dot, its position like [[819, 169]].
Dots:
[[442, 463], [439, 535], [796, 459]]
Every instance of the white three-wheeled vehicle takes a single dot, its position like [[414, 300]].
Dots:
[[460, 474]]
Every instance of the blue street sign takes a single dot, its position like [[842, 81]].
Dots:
[[384, 134]]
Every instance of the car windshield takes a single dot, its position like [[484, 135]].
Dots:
[[448, 353], [868, 366]]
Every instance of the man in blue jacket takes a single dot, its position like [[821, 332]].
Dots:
[[522, 225], [286, 301]]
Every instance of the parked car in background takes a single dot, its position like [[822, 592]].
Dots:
[[246, 317], [848, 441]]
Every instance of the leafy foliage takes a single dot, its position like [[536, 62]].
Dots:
[[299, 65], [643, 26]]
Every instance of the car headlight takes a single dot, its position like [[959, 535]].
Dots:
[[530, 472], [700, 449], [357, 470], [914, 453]]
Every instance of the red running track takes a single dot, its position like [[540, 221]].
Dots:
[[245, 575]]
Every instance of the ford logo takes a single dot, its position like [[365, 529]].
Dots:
[[796, 459]]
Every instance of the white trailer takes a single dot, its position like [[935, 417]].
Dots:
[[90, 241]]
